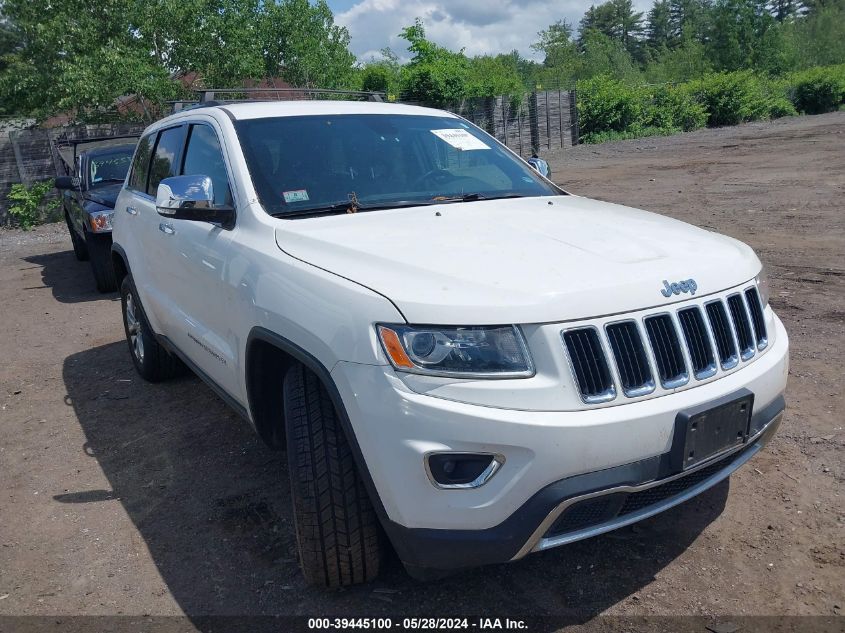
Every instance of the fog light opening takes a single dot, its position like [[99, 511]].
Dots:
[[462, 470]]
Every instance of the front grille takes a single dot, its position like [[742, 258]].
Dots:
[[589, 365], [631, 359], [667, 351], [755, 306], [698, 342], [598, 510], [742, 326], [694, 342]]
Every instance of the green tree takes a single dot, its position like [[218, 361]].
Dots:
[[688, 60], [382, 75], [605, 56], [690, 18], [77, 56], [617, 20], [659, 25], [557, 46], [434, 74], [491, 76], [304, 45]]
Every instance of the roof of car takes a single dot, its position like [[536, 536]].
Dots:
[[263, 109]]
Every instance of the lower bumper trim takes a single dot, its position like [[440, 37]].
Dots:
[[714, 472]]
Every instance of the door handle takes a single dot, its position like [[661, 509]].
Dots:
[[131, 210], [166, 228]]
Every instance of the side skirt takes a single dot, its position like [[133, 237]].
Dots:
[[222, 393]]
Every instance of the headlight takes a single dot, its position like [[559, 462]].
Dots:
[[763, 286], [461, 352], [100, 221]]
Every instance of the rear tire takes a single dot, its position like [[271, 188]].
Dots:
[[151, 360], [99, 249], [337, 531], [79, 248]]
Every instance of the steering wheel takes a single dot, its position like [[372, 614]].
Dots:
[[438, 177]]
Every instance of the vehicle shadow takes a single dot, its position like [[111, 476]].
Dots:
[[70, 280], [213, 507]]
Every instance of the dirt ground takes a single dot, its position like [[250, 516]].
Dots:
[[122, 497]]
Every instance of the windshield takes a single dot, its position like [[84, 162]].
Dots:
[[109, 167], [303, 163]]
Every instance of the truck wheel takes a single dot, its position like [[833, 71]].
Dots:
[[79, 248], [337, 531], [151, 360], [99, 249]]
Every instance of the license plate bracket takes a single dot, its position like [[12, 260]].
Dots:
[[713, 428]]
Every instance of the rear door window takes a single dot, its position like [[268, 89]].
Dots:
[[165, 161]]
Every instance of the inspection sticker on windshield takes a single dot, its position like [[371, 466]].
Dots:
[[300, 195], [460, 139]]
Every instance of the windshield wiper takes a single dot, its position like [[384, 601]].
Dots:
[[347, 206], [472, 197], [336, 208]]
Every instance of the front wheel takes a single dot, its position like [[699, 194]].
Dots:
[[337, 531], [99, 249], [151, 360]]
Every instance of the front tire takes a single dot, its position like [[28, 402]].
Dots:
[[151, 360], [99, 249], [337, 531]]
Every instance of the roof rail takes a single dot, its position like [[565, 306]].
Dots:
[[209, 97]]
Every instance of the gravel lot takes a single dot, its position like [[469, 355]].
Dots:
[[121, 497]]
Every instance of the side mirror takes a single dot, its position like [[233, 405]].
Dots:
[[541, 166], [67, 182], [191, 198]]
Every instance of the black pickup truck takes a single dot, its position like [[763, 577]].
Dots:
[[89, 190]]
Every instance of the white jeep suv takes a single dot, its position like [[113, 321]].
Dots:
[[462, 360]]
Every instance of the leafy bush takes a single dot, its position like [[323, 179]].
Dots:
[[29, 205], [669, 107], [731, 98], [605, 104], [819, 90]]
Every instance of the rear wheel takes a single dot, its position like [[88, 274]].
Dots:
[[151, 360], [337, 531], [99, 249], [79, 248]]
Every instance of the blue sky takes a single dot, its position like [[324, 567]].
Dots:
[[479, 26]]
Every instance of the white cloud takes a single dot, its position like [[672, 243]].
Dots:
[[479, 26]]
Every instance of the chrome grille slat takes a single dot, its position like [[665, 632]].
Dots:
[[631, 360], [589, 365], [742, 326], [641, 353], [755, 306], [698, 342], [671, 366], [725, 342]]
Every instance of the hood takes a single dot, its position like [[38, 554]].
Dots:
[[519, 260], [105, 195]]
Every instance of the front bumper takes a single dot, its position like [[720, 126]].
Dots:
[[554, 460], [531, 528]]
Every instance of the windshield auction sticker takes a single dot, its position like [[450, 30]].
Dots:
[[460, 139], [300, 195]]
